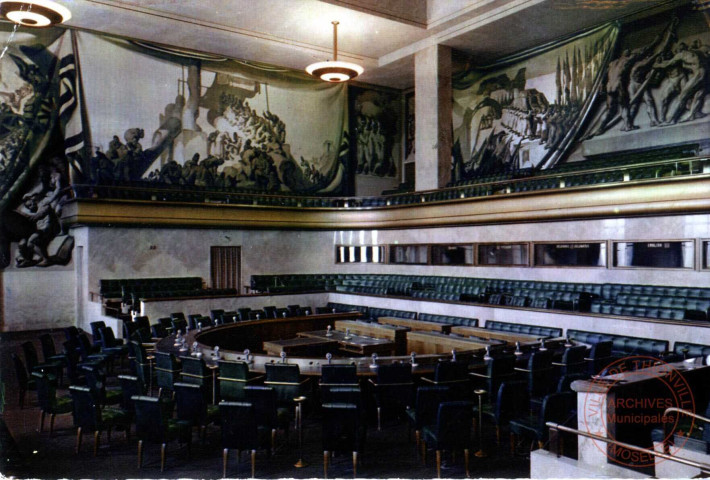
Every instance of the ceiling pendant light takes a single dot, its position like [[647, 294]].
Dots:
[[334, 71], [34, 13]]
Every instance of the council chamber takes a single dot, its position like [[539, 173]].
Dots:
[[355, 239]]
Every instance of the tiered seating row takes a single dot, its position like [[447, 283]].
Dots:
[[125, 287], [650, 301]]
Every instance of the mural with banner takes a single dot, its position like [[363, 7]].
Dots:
[[525, 111], [38, 106], [200, 120], [598, 93]]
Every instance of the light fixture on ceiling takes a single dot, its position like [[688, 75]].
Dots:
[[34, 13], [334, 71]]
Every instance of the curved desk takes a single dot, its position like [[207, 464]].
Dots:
[[234, 338]]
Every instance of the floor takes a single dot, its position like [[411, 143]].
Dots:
[[389, 453]]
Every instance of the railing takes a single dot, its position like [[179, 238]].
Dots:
[[554, 445], [145, 190]]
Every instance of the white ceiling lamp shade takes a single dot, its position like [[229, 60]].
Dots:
[[334, 71], [34, 13]]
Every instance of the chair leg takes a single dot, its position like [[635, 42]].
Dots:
[[498, 435], [51, 423], [225, 455], [354, 464], [423, 450], [253, 462], [465, 461], [140, 453], [162, 456], [41, 421], [540, 445], [417, 438], [326, 457], [97, 438], [379, 419], [438, 464], [273, 441], [78, 439]]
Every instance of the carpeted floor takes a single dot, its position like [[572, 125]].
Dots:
[[389, 453]]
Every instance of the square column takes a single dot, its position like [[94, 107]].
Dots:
[[433, 113]]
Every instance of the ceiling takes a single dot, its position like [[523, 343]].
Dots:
[[381, 35]]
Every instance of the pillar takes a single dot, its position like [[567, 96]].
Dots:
[[433, 114]]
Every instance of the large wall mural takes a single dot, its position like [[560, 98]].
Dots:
[[602, 92], [376, 134], [37, 96], [202, 121]]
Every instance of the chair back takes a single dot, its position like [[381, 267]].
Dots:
[[499, 368], [283, 313], [143, 322], [95, 381], [192, 320], [344, 394], [257, 315], [71, 332], [239, 425], [573, 359], [599, 357], [194, 371], [338, 375], [130, 386], [448, 371], [85, 347], [394, 373], [48, 348], [264, 401], [541, 375], [107, 338], [294, 310], [46, 391], [158, 331], [558, 408], [167, 370], [20, 371], [427, 403], [285, 380], [512, 399], [243, 313], [565, 382], [142, 364], [95, 328], [86, 410], [166, 322], [270, 311], [190, 403], [152, 415], [216, 314], [31, 360], [75, 376], [452, 424], [179, 325], [177, 316], [233, 378]]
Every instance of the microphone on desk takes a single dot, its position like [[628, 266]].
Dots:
[[487, 356], [542, 345], [374, 361], [283, 357], [328, 333], [247, 355], [413, 357], [216, 353], [453, 355], [328, 356], [347, 334], [518, 351]]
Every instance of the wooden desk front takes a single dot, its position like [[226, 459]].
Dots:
[[418, 325], [487, 333], [432, 343]]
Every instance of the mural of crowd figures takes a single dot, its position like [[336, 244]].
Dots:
[[213, 136], [510, 119], [376, 138], [513, 120], [32, 194]]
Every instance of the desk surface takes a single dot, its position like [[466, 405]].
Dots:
[[300, 346], [487, 333], [437, 343], [420, 325], [358, 344]]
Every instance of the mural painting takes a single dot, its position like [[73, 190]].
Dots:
[[36, 96], [214, 123], [375, 119], [565, 102]]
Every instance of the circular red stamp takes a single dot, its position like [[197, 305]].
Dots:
[[630, 398]]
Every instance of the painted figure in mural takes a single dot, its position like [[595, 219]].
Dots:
[[691, 97]]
